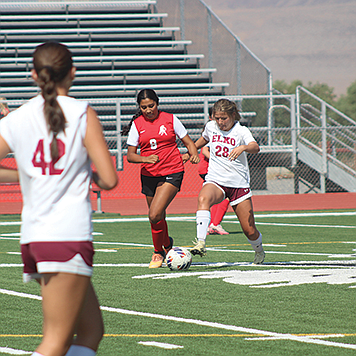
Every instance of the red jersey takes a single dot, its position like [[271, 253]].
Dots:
[[158, 137], [203, 164]]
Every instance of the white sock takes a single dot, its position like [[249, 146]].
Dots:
[[203, 221], [36, 354], [77, 350], [256, 244]]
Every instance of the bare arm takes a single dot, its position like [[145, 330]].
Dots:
[[94, 141], [198, 144], [252, 147], [192, 150], [134, 157], [206, 152], [7, 175]]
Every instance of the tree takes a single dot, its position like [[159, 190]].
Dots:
[[285, 88], [347, 103], [281, 117], [323, 91]]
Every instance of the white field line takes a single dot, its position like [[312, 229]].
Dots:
[[303, 339], [8, 350], [9, 265], [271, 335], [227, 217], [9, 237], [216, 249], [298, 225], [290, 264], [297, 215], [330, 255], [162, 345]]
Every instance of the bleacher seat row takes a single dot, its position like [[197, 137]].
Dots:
[[118, 48]]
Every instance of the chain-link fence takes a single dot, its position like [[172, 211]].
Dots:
[[306, 145], [326, 145], [221, 48]]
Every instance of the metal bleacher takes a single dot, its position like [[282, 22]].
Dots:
[[119, 47]]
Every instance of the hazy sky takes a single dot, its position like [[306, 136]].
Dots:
[[310, 40]]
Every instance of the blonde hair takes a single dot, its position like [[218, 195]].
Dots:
[[227, 106]]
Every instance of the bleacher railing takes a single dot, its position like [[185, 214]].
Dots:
[[330, 136], [305, 148], [222, 48]]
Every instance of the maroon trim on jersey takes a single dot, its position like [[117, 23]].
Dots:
[[35, 252]]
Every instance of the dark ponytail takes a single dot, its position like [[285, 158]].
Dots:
[[52, 62], [126, 128]]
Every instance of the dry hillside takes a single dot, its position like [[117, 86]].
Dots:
[[310, 40]]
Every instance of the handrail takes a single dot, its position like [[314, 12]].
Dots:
[[80, 16], [83, 4], [87, 73], [330, 157], [326, 104], [75, 88], [111, 58], [102, 44], [85, 30], [169, 99]]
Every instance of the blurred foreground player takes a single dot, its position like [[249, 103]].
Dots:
[[54, 138]]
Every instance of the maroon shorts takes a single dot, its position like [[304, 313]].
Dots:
[[235, 195], [51, 257]]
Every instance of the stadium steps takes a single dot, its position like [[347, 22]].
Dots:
[[119, 47]]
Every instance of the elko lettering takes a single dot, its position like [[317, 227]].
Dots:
[[226, 140]]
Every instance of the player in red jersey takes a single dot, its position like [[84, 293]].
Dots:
[[155, 132]]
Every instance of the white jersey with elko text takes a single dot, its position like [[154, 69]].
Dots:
[[232, 174], [56, 205]]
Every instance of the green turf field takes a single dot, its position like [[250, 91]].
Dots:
[[300, 302]]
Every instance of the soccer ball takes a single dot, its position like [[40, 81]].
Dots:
[[179, 259]]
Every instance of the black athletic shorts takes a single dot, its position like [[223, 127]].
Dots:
[[149, 184]]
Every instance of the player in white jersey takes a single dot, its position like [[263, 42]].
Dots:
[[54, 139], [228, 175]]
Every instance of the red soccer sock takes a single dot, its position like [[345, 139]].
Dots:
[[158, 234], [218, 211], [166, 239]]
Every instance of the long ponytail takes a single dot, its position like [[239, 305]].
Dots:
[[126, 128], [52, 62]]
